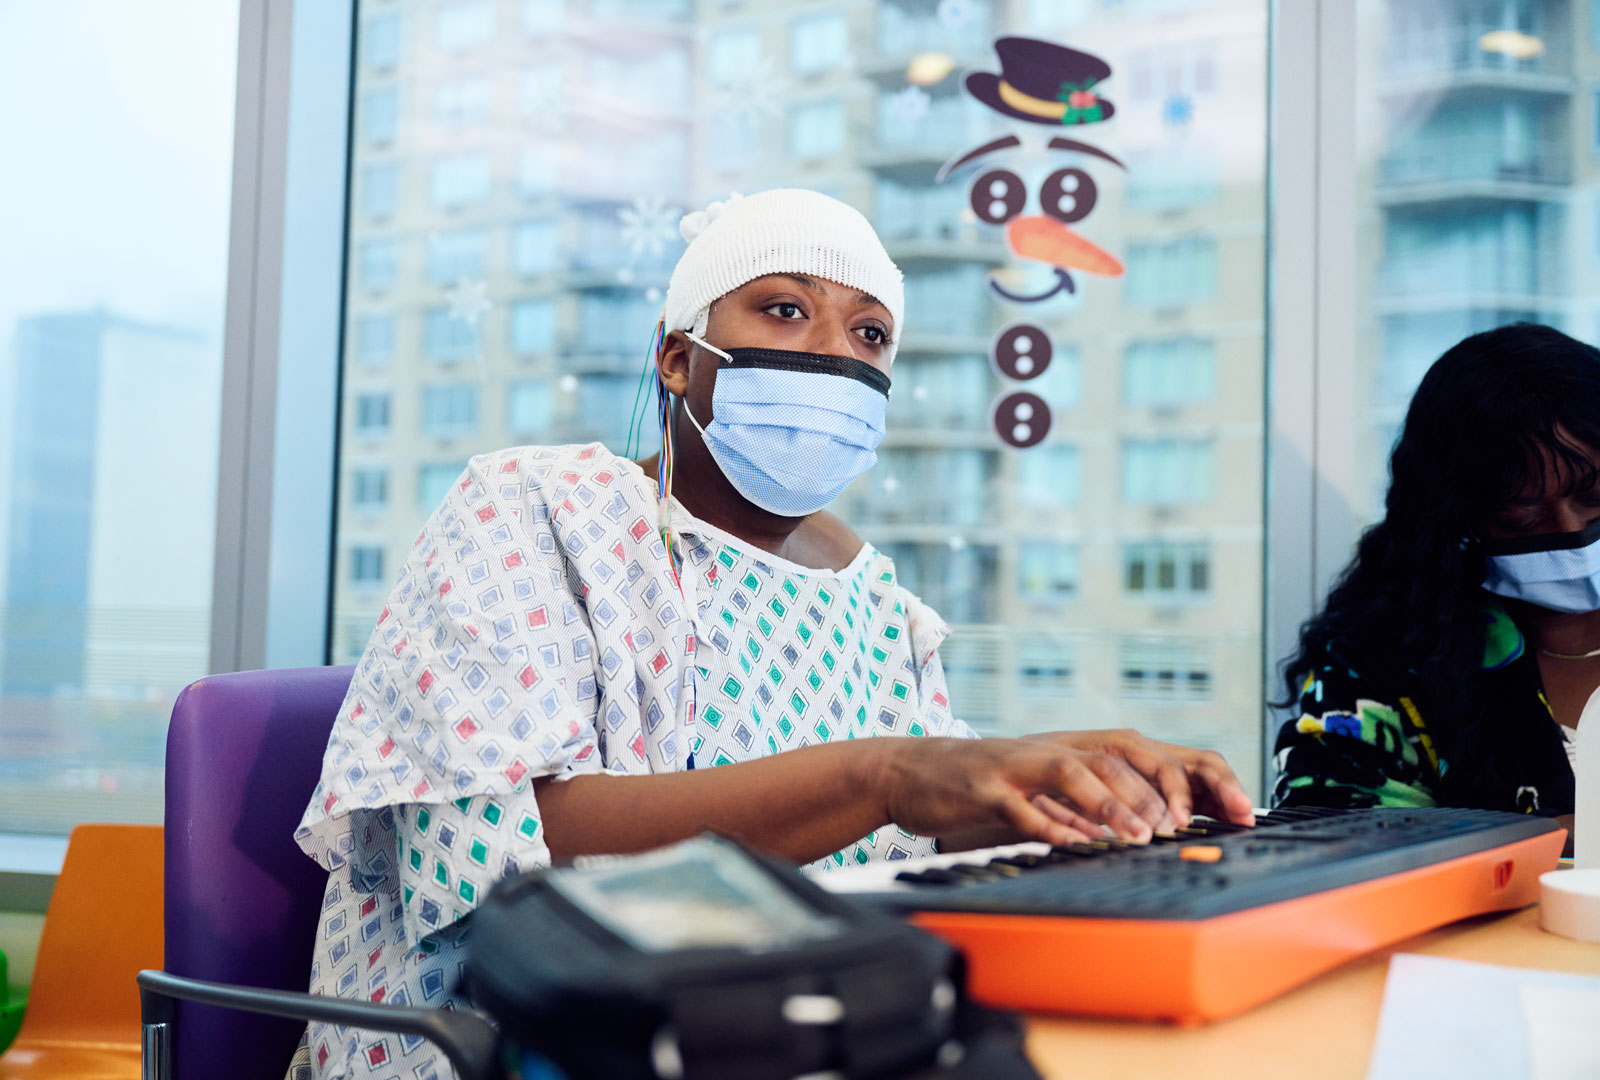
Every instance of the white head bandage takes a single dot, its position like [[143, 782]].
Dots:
[[786, 231]]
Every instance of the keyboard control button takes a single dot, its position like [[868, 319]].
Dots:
[[1202, 853]]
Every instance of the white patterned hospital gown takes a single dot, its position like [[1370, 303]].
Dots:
[[536, 630]]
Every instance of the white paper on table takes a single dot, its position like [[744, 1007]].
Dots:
[[1466, 1021], [1563, 1041]]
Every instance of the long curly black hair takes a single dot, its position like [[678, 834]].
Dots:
[[1476, 434]]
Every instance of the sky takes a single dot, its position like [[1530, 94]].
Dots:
[[116, 149], [116, 144]]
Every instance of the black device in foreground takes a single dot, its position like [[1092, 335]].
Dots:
[[705, 960]]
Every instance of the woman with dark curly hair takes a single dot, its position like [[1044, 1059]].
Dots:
[[1458, 648]]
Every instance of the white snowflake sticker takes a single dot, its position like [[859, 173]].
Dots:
[[755, 91], [956, 14], [469, 299], [908, 106], [648, 225]]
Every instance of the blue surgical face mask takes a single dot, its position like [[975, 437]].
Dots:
[[1556, 571], [791, 430]]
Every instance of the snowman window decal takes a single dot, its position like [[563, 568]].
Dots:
[[1039, 82]]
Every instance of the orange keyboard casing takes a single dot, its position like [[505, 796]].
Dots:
[[1207, 969]]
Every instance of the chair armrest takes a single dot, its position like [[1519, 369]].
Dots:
[[467, 1038]]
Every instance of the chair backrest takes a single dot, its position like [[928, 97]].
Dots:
[[103, 926], [242, 900]]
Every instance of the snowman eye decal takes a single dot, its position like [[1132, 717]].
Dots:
[[1068, 195], [998, 196]]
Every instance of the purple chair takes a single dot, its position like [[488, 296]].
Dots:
[[242, 900]]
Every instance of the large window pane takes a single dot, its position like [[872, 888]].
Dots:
[[1479, 145], [118, 129], [571, 174]]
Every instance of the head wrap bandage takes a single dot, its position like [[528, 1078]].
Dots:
[[786, 231]]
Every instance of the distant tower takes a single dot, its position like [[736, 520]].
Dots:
[[113, 504]]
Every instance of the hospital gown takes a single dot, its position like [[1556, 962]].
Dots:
[[537, 630]]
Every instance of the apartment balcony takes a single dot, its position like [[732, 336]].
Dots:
[[1477, 167], [1468, 280], [1428, 62], [941, 242]]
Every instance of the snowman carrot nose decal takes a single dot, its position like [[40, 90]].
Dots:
[[1067, 196], [1041, 83]]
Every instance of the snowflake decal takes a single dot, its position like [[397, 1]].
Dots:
[[648, 225], [755, 92], [908, 106], [469, 299], [956, 14]]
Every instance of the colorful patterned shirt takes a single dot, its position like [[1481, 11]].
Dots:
[[1361, 739], [536, 630]]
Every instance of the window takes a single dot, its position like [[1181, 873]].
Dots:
[[733, 141], [380, 264], [380, 190], [1045, 667], [380, 114], [434, 483], [539, 170], [1167, 470], [1166, 273], [533, 327], [534, 248], [952, 301], [1061, 385], [629, 112], [369, 489], [1048, 571], [454, 256], [818, 43], [732, 55], [372, 415], [1157, 669], [380, 41], [461, 103], [1172, 178], [941, 392], [460, 180], [464, 25], [817, 130], [608, 321], [445, 337], [366, 566], [1049, 476], [529, 407], [1169, 371], [449, 410], [1164, 569], [375, 340]]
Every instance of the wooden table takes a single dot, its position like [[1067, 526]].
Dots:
[[1320, 1031]]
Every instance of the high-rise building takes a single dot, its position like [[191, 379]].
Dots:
[[537, 155], [1474, 208], [96, 599]]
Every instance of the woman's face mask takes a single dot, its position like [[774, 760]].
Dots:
[[791, 430], [1557, 571]]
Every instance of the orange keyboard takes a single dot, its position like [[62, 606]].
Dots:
[[1215, 919]]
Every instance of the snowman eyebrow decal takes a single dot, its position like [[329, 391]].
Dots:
[[1059, 143], [1009, 142], [1003, 143]]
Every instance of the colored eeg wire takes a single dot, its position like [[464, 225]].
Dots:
[[636, 434]]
